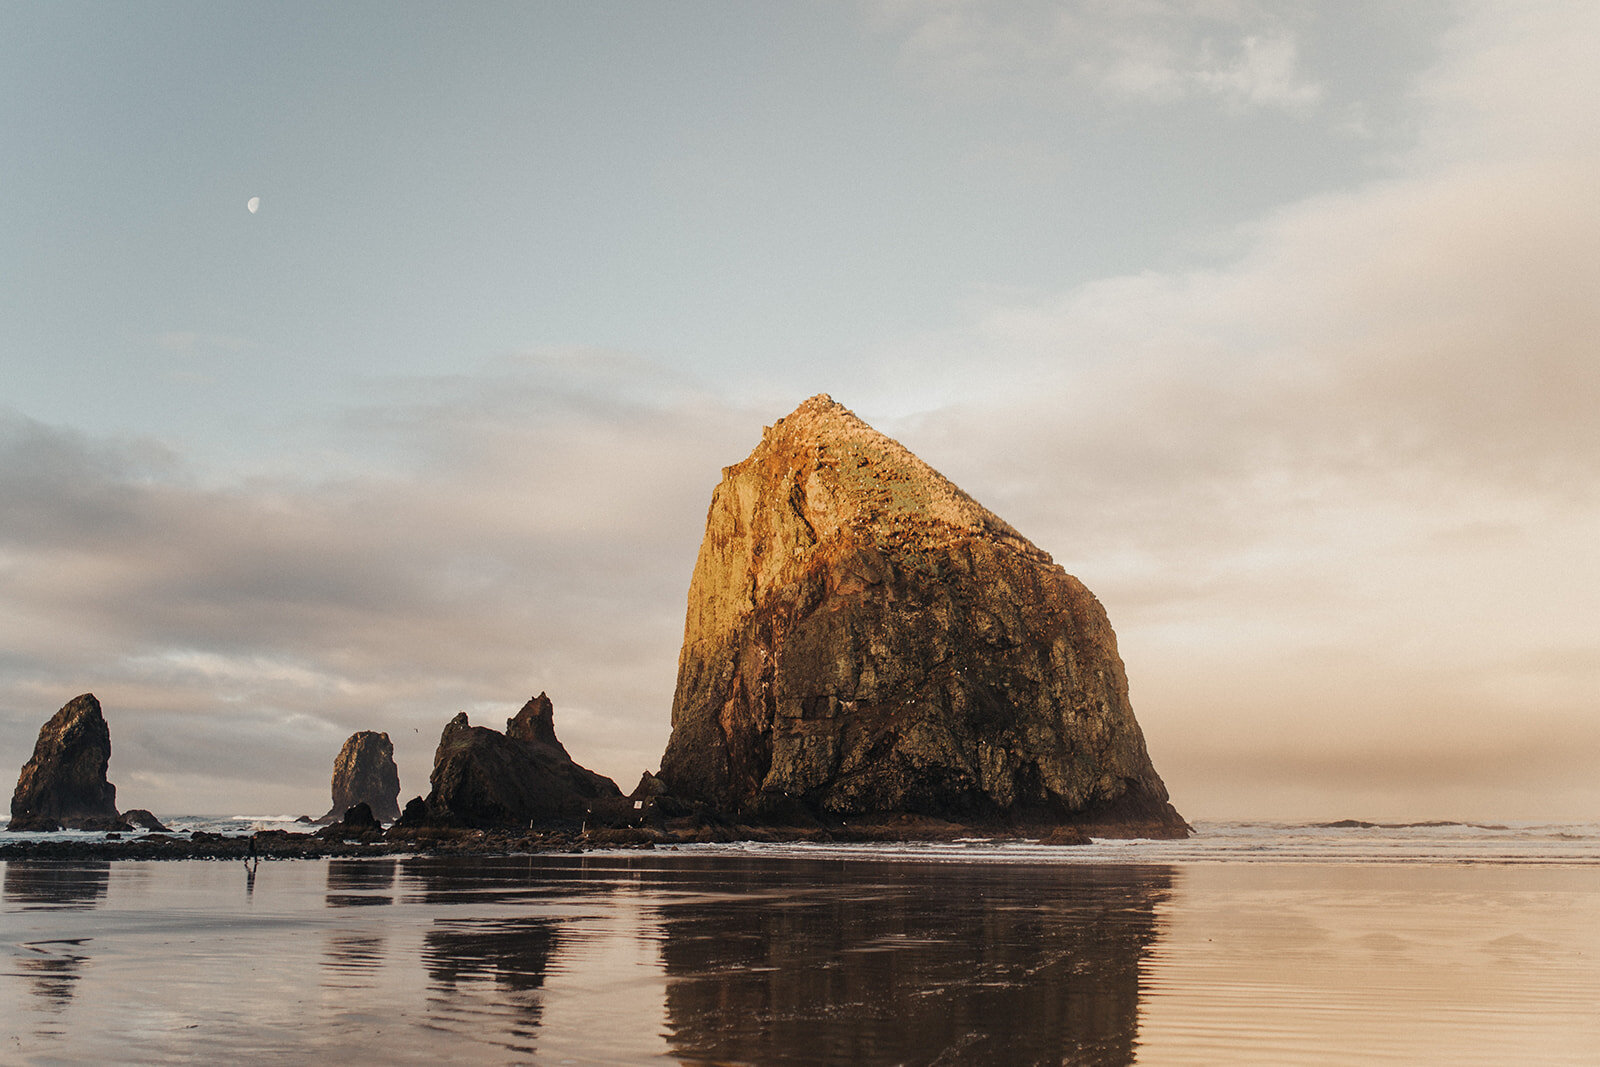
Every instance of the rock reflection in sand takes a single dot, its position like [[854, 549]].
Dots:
[[52, 968], [356, 883], [909, 963], [484, 976], [55, 884]]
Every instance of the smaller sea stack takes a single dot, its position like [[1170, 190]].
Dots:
[[364, 773], [521, 778], [64, 784]]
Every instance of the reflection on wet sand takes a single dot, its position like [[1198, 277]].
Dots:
[[53, 966], [54, 884], [52, 969], [504, 930], [768, 960], [355, 883], [689, 957], [513, 953], [488, 880], [485, 975], [352, 956], [910, 963], [352, 953]]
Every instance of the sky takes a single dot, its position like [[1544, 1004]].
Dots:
[[1278, 324]]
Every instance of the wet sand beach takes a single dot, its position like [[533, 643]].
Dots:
[[713, 955]]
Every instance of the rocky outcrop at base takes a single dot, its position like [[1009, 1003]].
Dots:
[[523, 777], [364, 772], [358, 824], [64, 785], [863, 638]]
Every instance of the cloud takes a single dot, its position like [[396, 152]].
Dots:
[[1241, 55], [1342, 490], [483, 539]]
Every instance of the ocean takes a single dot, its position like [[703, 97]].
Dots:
[[1249, 943]]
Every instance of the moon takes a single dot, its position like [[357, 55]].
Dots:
[[253, 203]]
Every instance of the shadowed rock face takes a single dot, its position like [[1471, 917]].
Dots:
[[364, 773], [483, 778], [863, 637], [64, 784]]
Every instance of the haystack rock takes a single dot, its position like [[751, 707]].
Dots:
[[483, 778], [64, 784], [364, 773], [864, 638]]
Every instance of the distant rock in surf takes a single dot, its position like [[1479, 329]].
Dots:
[[64, 784], [364, 773], [141, 819], [863, 637], [485, 779]]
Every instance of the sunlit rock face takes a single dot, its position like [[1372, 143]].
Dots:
[[364, 772], [64, 784], [863, 637], [483, 778]]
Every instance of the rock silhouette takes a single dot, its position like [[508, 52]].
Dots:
[[64, 784], [485, 779], [863, 637], [364, 773], [142, 819]]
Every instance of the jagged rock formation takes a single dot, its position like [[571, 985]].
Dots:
[[64, 784], [863, 637], [364, 773], [486, 779]]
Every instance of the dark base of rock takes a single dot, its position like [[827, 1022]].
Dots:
[[40, 824], [1130, 817], [358, 824], [366, 840]]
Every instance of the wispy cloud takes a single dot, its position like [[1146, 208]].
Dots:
[[520, 539], [1344, 488], [1241, 55]]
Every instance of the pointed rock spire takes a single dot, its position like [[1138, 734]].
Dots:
[[64, 784], [364, 772]]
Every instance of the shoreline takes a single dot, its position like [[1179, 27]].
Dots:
[[435, 841]]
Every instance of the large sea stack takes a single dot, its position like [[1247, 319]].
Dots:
[[863, 638], [64, 784], [364, 773], [485, 779]]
